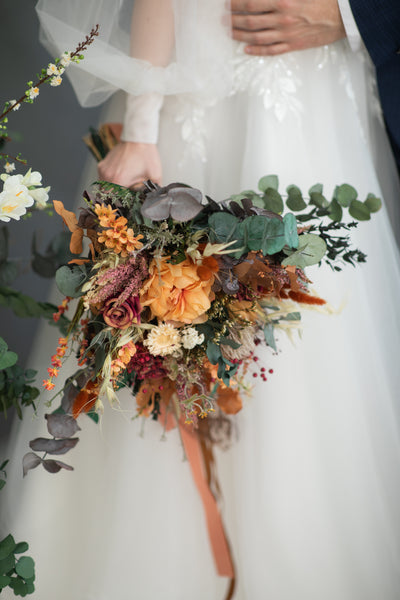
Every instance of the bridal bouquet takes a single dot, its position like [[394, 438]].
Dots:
[[176, 291]]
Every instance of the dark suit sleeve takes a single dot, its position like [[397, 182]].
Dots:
[[378, 22]]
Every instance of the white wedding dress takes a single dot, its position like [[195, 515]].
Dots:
[[311, 483]]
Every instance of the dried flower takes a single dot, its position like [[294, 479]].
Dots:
[[121, 316], [163, 340], [191, 338]]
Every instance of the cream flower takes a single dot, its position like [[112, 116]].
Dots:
[[52, 69], [163, 340], [9, 167], [14, 104], [65, 59], [14, 200], [191, 338], [33, 92], [55, 81], [40, 196]]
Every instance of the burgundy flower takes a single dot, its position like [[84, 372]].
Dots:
[[121, 316]]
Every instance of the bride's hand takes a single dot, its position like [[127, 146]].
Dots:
[[130, 164]]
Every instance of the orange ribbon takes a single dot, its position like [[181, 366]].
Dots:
[[199, 461]]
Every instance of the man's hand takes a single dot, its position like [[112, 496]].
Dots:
[[130, 164], [271, 27]]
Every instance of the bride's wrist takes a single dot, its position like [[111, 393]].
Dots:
[[142, 118]]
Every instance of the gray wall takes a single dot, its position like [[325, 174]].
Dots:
[[49, 134]]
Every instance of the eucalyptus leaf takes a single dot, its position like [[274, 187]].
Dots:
[[335, 211], [3, 348], [316, 189], [7, 564], [54, 466], [25, 567], [273, 201], [311, 250], [4, 581], [30, 461], [358, 210], [8, 359], [213, 352], [291, 235], [318, 200], [373, 203], [61, 426], [21, 547], [269, 336], [7, 545], [345, 194], [269, 181], [52, 446], [69, 279], [295, 199], [222, 226]]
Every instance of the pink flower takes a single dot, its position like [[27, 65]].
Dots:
[[121, 316]]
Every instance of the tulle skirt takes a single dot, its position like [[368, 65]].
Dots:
[[311, 482]]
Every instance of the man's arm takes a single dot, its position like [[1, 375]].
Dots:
[[271, 27]]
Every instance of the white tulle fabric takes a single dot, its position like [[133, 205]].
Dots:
[[164, 46], [311, 484]]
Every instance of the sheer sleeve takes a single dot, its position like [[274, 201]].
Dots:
[[173, 46]]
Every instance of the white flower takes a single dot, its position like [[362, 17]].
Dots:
[[14, 199], [61, 70], [32, 178], [40, 195], [33, 92], [163, 340], [14, 104], [191, 338], [65, 59], [52, 69], [54, 81], [9, 167]]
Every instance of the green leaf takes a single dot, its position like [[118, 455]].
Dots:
[[4, 581], [373, 203], [273, 201], [293, 316], [358, 210], [44, 266], [269, 336], [295, 199], [318, 200], [7, 546], [8, 272], [311, 250], [345, 194], [269, 181], [222, 226], [2, 483], [213, 352], [316, 189], [7, 564], [8, 359], [291, 235], [3, 345], [69, 280], [25, 567], [335, 211], [21, 547], [3, 244]]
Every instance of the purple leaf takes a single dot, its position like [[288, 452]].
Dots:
[[30, 461], [180, 202], [53, 466], [61, 426], [70, 393], [53, 446]]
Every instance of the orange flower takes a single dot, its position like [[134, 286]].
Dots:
[[56, 361], [52, 371], [48, 384], [106, 214], [179, 292]]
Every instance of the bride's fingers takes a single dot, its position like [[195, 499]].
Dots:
[[253, 6], [259, 38], [271, 50], [252, 22]]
